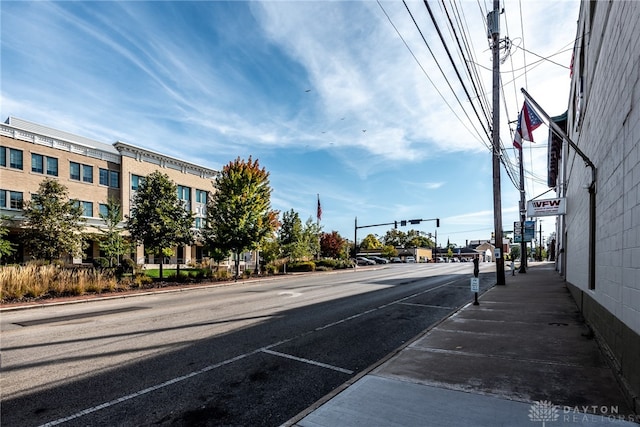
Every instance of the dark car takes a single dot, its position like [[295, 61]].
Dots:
[[364, 261]]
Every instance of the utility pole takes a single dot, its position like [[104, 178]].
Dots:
[[493, 22], [523, 211]]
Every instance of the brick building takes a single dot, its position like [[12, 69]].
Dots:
[[93, 172]]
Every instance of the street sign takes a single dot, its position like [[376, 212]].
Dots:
[[475, 284]]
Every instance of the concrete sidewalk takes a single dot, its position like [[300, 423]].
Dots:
[[523, 357]]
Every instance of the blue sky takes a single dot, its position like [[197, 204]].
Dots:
[[336, 98]]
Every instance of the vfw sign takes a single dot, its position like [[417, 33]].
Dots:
[[547, 207]]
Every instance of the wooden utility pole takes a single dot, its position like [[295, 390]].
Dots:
[[493, 22]]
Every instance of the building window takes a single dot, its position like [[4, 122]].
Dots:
[[87, 209], [103, 210], [87, 173], [184, 194], [114, 179], [15, 158], [136, 181], [37, 163], [110, 178], [3, 156], [52, 166], [201, 196], [104, 177], [15, 198], [3, 198], [74, 171]]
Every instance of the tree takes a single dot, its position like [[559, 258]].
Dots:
[[515, 252], [418, 239], [389, 251], [158, 218], [290, 235], [113, 243], [370, 242], [333, 245], [239, 213], [52, 222], [394, 238], [311, 238], [6, 247]]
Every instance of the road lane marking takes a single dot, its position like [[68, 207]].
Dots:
[[311, 362], [427, 305], [147, 390], [265, 349]]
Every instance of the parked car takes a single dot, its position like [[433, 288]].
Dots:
[[396, 260], [409, 259], [364, 261], [378, 260]]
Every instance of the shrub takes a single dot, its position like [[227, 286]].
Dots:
[[328, 263], [271, 268], [301, 266], [101, 262]]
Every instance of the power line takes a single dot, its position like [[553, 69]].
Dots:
[[479, 137]]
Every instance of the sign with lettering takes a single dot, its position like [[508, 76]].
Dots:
[[547, 207], [529, 231], [475, 284]]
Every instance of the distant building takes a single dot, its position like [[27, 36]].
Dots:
[[93, 172]]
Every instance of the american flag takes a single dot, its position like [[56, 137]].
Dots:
[[528, 121], [319, 212]]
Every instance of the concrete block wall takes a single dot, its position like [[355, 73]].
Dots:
[[605, 124]]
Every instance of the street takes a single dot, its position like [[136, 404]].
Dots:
[[254, 353]]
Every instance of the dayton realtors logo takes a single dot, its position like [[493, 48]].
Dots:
[[544, 411]]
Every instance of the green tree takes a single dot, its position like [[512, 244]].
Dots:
[[389, 251], [311, 238], [158, 218], [418, 239], [515, 252], [113, 243], [370, 242], [52, 222], [290, 236], [239, 213], [395, 237], [270, 249], [6, 247]]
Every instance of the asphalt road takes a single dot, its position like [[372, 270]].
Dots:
[[248, 354]]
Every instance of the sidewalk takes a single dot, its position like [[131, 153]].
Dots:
[[523, 357]]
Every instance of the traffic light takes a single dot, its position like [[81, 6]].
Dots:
[[395, 224], [403, 223], [437, 222]]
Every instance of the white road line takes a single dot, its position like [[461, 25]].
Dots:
[[234, 359], [427, 305], [147, 390], [311, 362]]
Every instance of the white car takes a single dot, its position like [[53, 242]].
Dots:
[[409, 259]]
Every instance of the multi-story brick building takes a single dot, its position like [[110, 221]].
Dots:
[[598, 240], [93, 172]]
